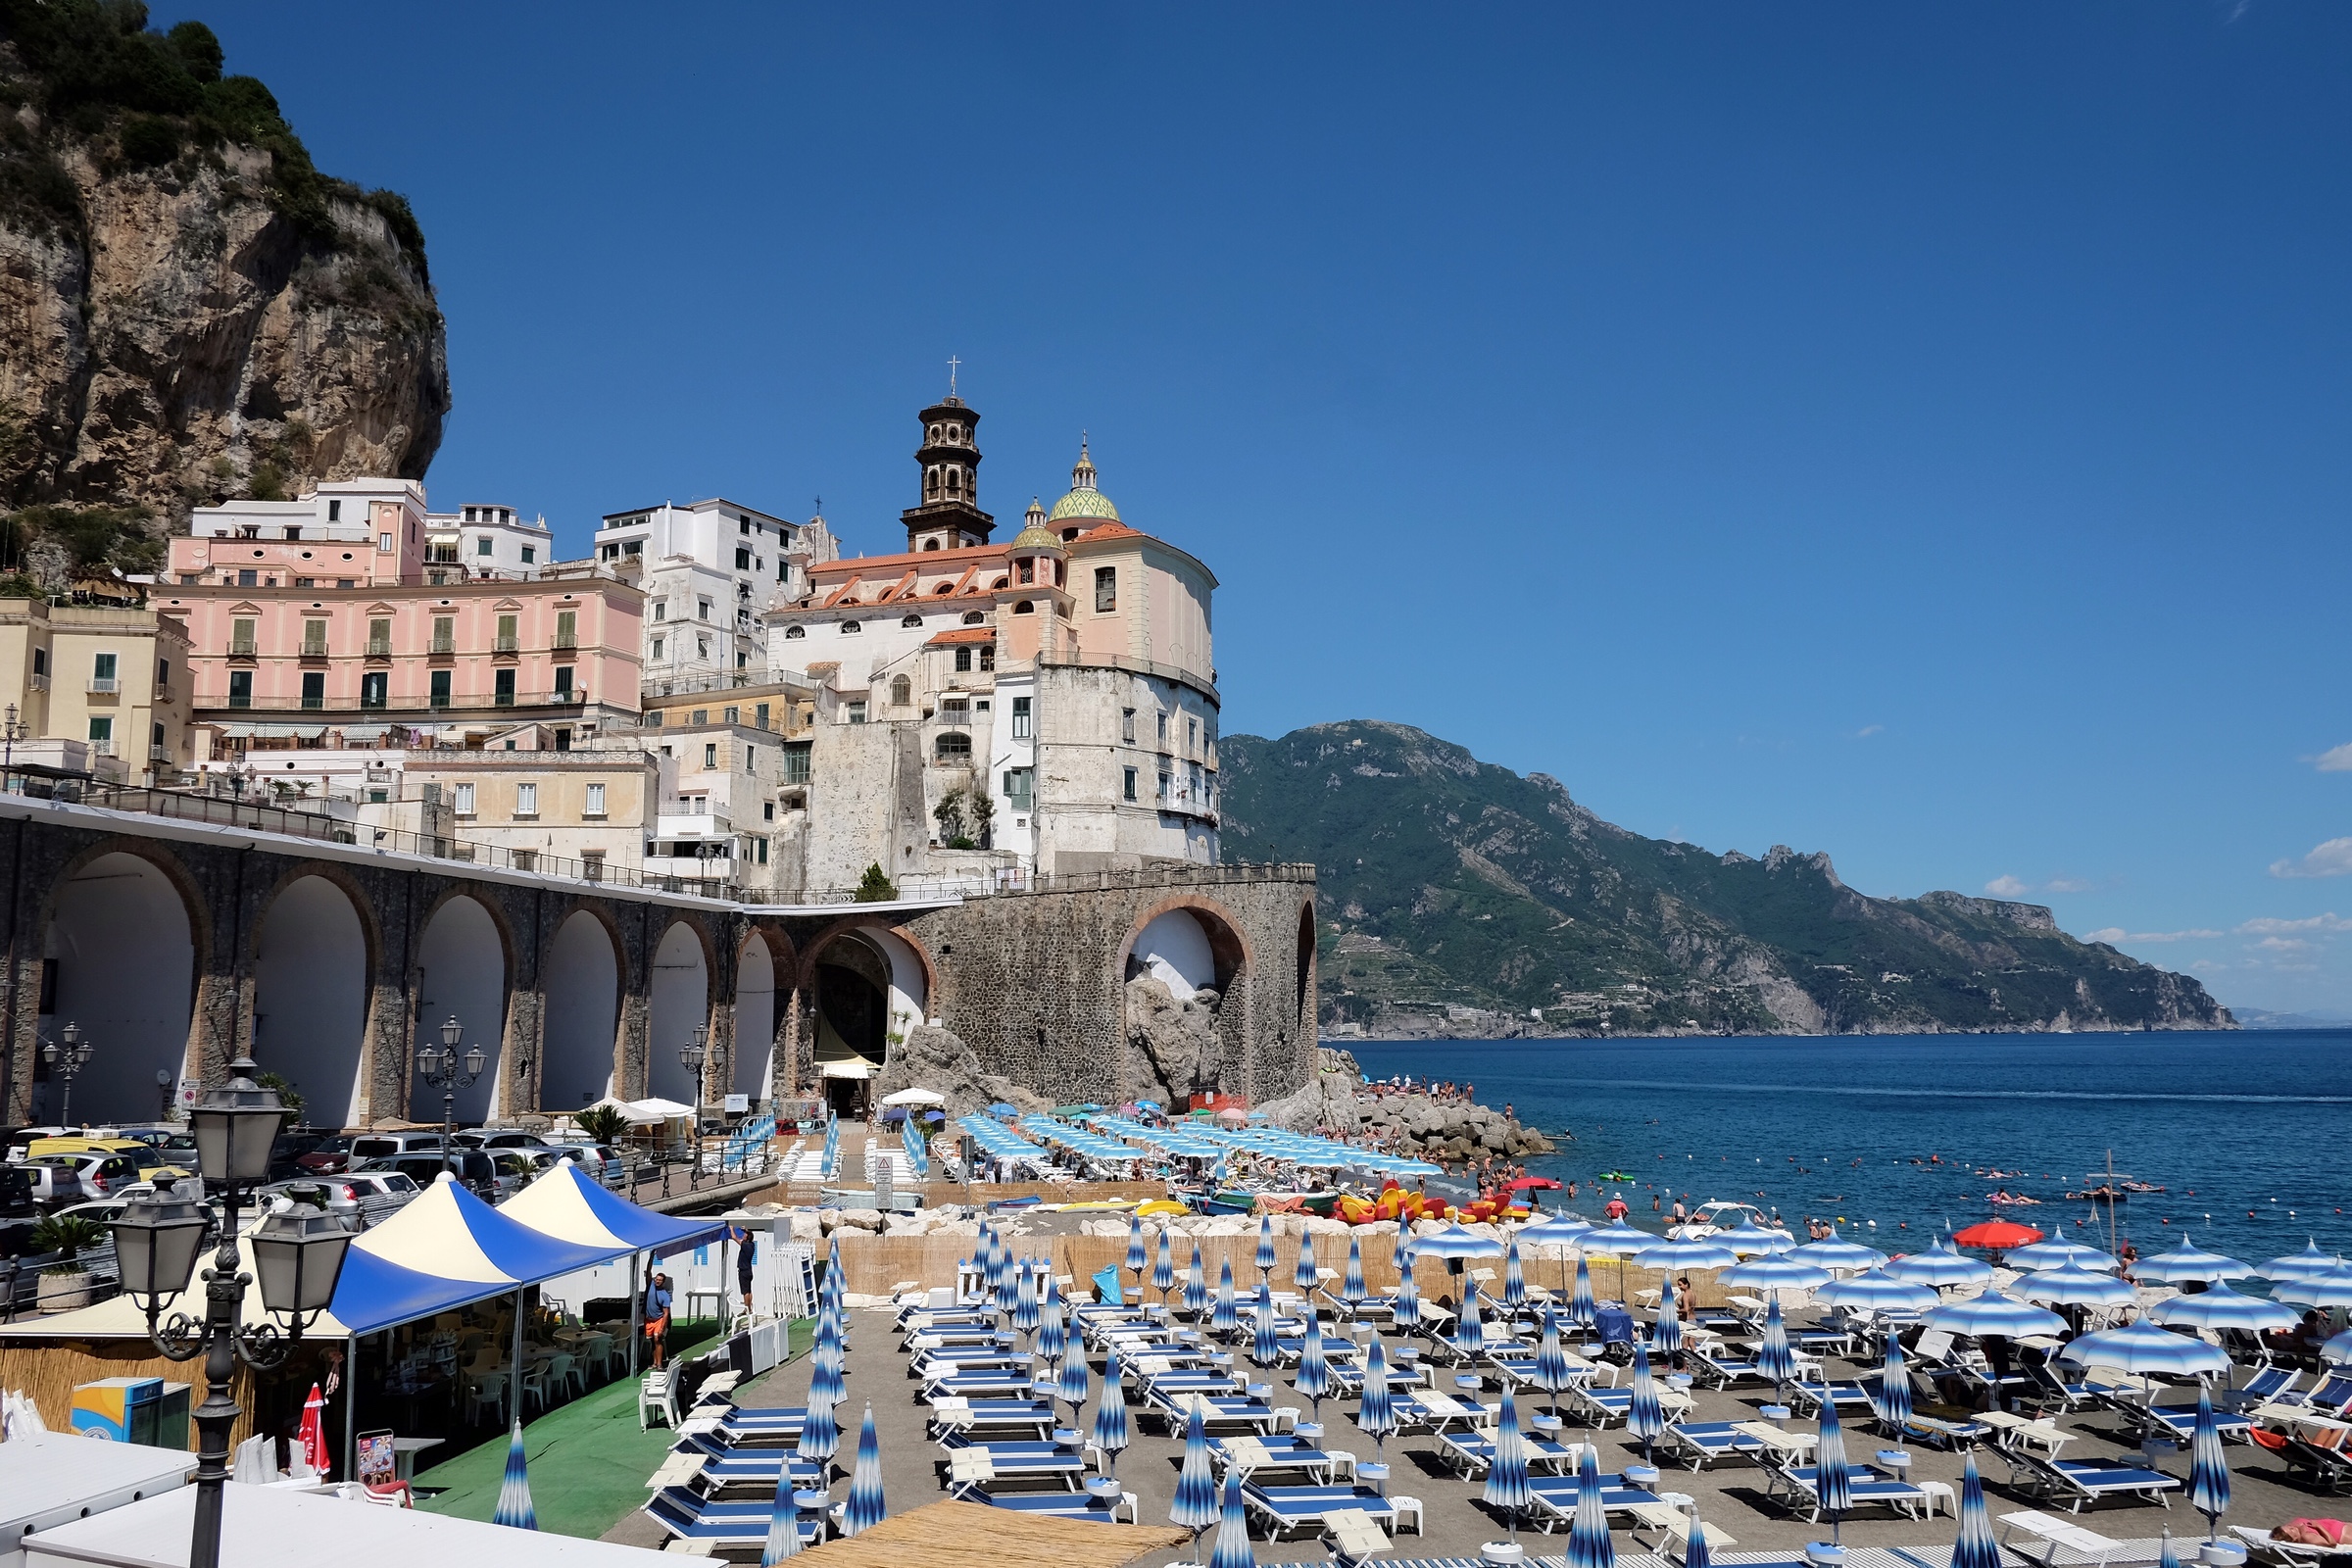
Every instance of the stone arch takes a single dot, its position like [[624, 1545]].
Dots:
[[867, 980], [123, 940], [582, 986], [683, 966], [465, 969], [765, 969], [1305, 1009], [1173, 939], [313, 961], [1228, 946]]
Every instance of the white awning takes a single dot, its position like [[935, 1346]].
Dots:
[[848, 1067]]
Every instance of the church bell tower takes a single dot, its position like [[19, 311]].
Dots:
[[950, 516]]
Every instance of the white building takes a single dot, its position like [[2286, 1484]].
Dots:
[[710, 570], [487, 541]]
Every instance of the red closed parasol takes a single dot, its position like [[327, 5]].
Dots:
[[1997, 1234], [313, 1437]]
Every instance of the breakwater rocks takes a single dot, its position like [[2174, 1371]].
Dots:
[[1339, 1103]]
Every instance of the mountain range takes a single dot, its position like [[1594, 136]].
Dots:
[[1459, 899]]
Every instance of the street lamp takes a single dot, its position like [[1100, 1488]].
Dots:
[[691, 1056], [439, 1070], [162, 1094], [64, 1064], [297, 1253], [12, 730]]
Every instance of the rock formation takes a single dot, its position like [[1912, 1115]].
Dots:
[[1172, 1048], [939, 1060], [1450, 1130]]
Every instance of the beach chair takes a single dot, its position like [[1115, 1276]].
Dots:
[[2179, 1423], [2266, 1548], [1055, 1504], [2076, 1482], [1714, 1364], [2329, 1397], [657, 1394], [1799, 1486], [1473, 1453], [1259, 1456], [1551, 1499], [2047, 1389], [977, 1465], [714, 1522], [955, 1413], [1699, 1443], [1291, 1511], [2046, 1536], [1847, 1395], [2268, 1385], [1433, 1411], [2330, 1470], [1939, 1433], [1005, 1383]]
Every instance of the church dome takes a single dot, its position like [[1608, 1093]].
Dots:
[[1033, 535], [1084, 501]]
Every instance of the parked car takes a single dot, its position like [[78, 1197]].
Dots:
[[286, 1151], [383, 1145], [17, 1199], [54, 1184], [23, 1138], [330, 1155], [378, 1194], [471, 1166], [99, 1173], [500, 1138], [153, 1164]]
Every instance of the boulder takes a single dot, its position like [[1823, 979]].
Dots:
[[1172, 1048], [939, 1060]]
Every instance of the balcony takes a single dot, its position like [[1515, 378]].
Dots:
[[314, 650], [442, 647], [508, 645], [240, 648], [159, 754], [368, 704], [103, 686], [39, 681], [565, 640], [379, 648], [104, 747]]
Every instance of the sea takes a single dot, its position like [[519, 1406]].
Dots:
[[1889, 1135]]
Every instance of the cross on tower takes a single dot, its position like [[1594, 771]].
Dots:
[[952, 362]]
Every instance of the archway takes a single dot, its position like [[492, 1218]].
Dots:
[[754, 1019], [309, 999], [461, 975], [681, 1002], [1306, 1008], [871, 984], [1173, 947], [583, 1015], [124, 960]]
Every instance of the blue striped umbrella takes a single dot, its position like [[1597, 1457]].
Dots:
[[1993, 1312], [2166, 1556], [2300, 1265], [2189, 1263], [1680, 1257], [1581, 1310], [825, 1371], [1833, 1481], [1644, 1417], [1470, 1330], [821, 1434], [1506, 1476], [1407, 1315], [1514, 1278], [1875, 1292], [1694, 1541], [1892, 1400], [1265, 1246], [1110, 1415], [2059, 1253], [1351, 1283], [1314, 1365], [2338, 1349], [2333, 1288], [1196, 1286], [1836, 1252], [2076, 1287], [1024, 1300], [1551, 1363], [2146, 1348], [1589, 1542], [2208, 1470], [1749, 1239], [1939, 1265], [1263, 1349], [1669, 1336], [1976, 1548], [1304, 1275], [783, 1522], [1226, 1320], [1404, 1243], [1196, 1504], [1773, 1271], [515, 1490], [1008, 1290], [1776, 1357], [1071, 1386], [1052, 1330], [1163, 1268], [1376, 1417], [2220, 1307], [866, 1508], [1233, 1549], [1136, 1259]]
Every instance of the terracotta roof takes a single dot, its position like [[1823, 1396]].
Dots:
[[896, 590], [964, 634], [1113, 530]]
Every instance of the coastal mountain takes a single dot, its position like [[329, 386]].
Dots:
[[194, 311], [1459, 899]]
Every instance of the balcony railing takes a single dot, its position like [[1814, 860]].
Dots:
[[508, 645], [103, 746], [565, 640], [40, 682], [444, 645], [240, 648], [314, 650], [379, 648], [104, 685], [364, 702]]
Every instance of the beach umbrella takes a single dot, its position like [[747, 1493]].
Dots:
[[1694, 1541], [1892, 1400], [312, 1436], [1589, 1542], [1618, 1240], [2189, 1263], [1976, 1548], [783, 1522], [1024, 1300], [1196, 1504], [2166, 1556], [1873, 1291], [1644, 1417], [1070, 1384], [1404, 1243], [1196, 1286], [1007, 1290], [1835, 1253], [1351, 1283], [1265, 1246], [2060, 1253], [1997, 1235], [1557, 1230], [825, 1371], [1376, 1416], [1551, 1363], [2338, 1349], [2076, 1287], [1407, 1315], [1136, 1261], [1506, 1476], [1227, 1320], [1832, 1482], [1749, 1239], [1314, 1365], [2146, 1348], [514, 1489], [1514, 1280], [1470, 1329], [1773, 1271], [864, 1509], [2298, 1265], [1939, 1265], [1993, 1312], [1052, 1330], [820, 1432], [1233, 1549], [2330, 1288], [1163, 1268], [1669, 1335], [2208, 1470], [1776, 1357], [1305, 1276], [1581, 1310], [1110, 1415], [1681, 1256], [1263, 1349]]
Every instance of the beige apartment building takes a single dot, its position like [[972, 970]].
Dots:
[[588, 806], [97, 688]]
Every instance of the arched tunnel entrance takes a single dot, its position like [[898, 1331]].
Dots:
[[870, 987], [309, 999], [755, 1020], [681, 1003], [583, 1015], [119, 965], [462, 964]]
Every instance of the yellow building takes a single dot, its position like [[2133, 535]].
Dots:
[[97, 688], [591, 805]]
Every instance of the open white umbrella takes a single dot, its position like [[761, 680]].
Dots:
[[914, 1096]]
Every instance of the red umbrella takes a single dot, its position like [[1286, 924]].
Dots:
[[1524, 1182], [1998, 1234], [314, 1431]]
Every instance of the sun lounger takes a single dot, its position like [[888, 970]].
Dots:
[[1290, 1511], [958, 1384], [1260, 1456], [1472, 1453], [1055, 1504], [1217, 1410], [991, 1464], [956, 1413], [2262, 1546], [2267, 1384], [1799, 1486], [1939, 1433], [2181, 1423], [1699, 1443], [2047, 1535], [1551, 1499], [712, 1522], [1430, 1410], [2329, 1396], [1848, 1394], [2080, 1481], [1719, 1368], [1669, 1527], [2330, 1469], [1602, 1406]]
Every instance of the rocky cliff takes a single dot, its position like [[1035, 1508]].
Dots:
[[188, 308]]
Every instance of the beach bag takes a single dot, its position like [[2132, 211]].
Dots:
[[1107, 1287]]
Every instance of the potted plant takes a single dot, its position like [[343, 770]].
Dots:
[[65, 1284]]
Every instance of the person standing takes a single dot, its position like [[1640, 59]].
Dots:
[[747, 1255], [657, 1317]]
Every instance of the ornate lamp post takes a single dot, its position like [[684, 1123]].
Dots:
[[691, 1056], [66, 1056], [298, 1254], [439, 1070], [12, 730], [163, 1084]]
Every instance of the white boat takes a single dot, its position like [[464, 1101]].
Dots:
[[1725, 1214]]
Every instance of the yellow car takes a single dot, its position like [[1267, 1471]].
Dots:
[[153, 1166]]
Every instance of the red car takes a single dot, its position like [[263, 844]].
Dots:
[[329, 1159]]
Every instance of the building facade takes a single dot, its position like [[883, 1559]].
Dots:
[[710, 570], [108, 688], [484, 540]]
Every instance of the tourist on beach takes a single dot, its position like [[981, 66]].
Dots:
[[1680, 1214], [1614, 1208], [747, 1253], [657, 1317]]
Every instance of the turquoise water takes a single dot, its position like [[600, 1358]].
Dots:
[[2246, 1131]]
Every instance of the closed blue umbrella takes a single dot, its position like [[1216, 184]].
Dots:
[[1263, 1349], [1304, 1275], [2208, 1470], [1007, 1290], [1376, 1417], [864, 1508], [1196, 1286], [515, 1490], [2221, 1307], [1514, 1280], [1669, 1336], [1551, 1363], [1995, 1314], [1644, 1417], [1265, 1246], [1136, 1260], [1506, 1476], [1071, 1380], [1227, 1320], [2076, 1287], [821, 1432], [1024, 1300], [1832, 1482], [1233, 1549], [2166, 1556], [1404, 1243], [1939, 1265], [1589, 1542], [1776, 1357], [783, 1522], [1581, 1310], [1052, 1330], [1110, 1415], [1351, 1283], [1694, 1541], [1892, 1400], [1163, 1268], [2189, 1263], [2146, 1348], [1875, 1292], [1836, 1254], [1196, 1504], [1976, 1548], [1408, 1301], [825, 1361], [1314, 1364]]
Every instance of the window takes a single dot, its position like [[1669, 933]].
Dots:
[[567, 628], [101, 672], [40, 657], [1127, 726], [313, 688], [507, 642], [761, 846], [749, 757], [660, 610], [743, 559], [246, 578], [701, 647], [1020, 719], [1018, 785], [1025, 572], [767, 810], [502, 687], [1024, 607], [563, 738], [481, 545], [463, 795], [445, 634], [857, 713], [964, 658], [526, 800], [102, 733], [795, 761], [1162, 719], [163, 672], [656, 647], [526, 860], [591, 864], [710, 754], [563, 680], [1191, 734], [1193, 771], [701, 716], [440, 695], [375, 688], [596, 801], [763, 713], [851, 628], [795, 633], [380, 637], [973, 618], [901, 691], [156, 735], [1163, 784], [334, 511], [1107, 589], [701, 609], [912, 623], [383, 543], [1128, 792], [240, 688], [314, 639], [531, 554]]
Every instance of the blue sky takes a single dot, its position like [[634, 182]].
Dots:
[[1916, 433]]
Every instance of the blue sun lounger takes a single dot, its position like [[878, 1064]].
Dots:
[[1847, 1395], [1412, 1412], [1290, 1453], [1008, 1383], [1551, 1499], [722, 1523], [1472, 1453], [984, 1464], [2076, 1482], [1600, 1406], [1055, 1505], [1221, 1410], [1288, 1510], [725, 1464], [1799, 1486], [1700, 1444]]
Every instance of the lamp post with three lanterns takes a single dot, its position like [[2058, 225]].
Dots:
[[66, 1056], [439, 1070], [691, 1056]]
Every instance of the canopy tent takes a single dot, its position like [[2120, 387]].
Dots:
[[916, 1097], [635, 1114], [449, 1233], [566, 1204]]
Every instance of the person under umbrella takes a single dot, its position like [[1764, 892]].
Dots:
[[2208, 1469], [1226, 1322], [1314, 1364], [1645, 1416], [1052, 1330], [1551, 1361], [1776, 1357], [1833, 1481], [1264, 1349], [1376, 1416], [783, 1522], [1351, 1283], [1196, 1504], [514, 1489], [1892, 1400], [1071, 1386], [1305, 1275], [1514, 1281], [1669, 1336], [1233, 1549], [864, 1508], [1196, 1287], [1136, 1261], [1265, 1247], [1024, 1300], [1470, 1329], [1976, 1548], [1589, 1542], [1506, 1476], [1163, 1270], [1110, 1416]]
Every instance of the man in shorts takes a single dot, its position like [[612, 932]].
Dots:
[[657, 1317]]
